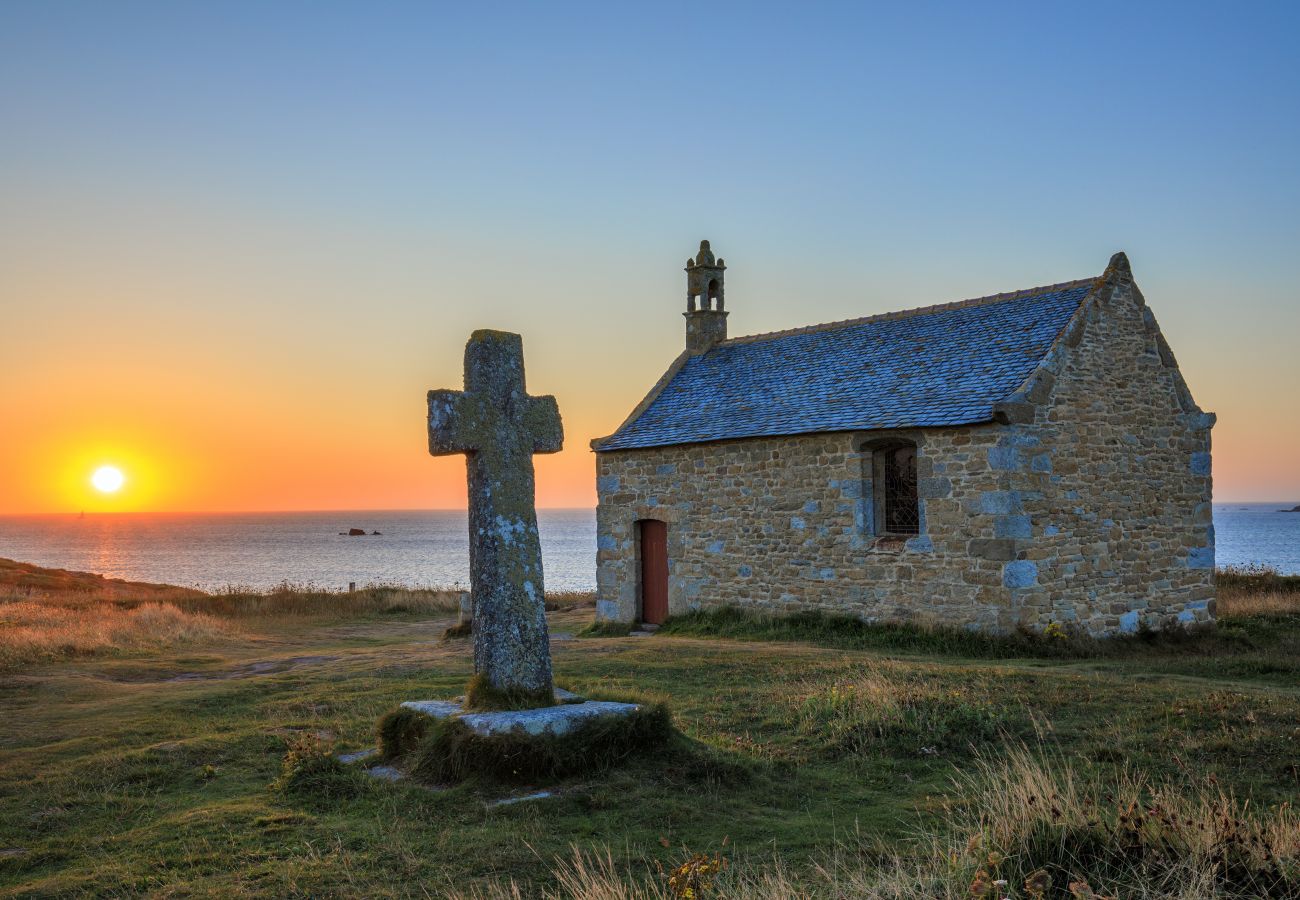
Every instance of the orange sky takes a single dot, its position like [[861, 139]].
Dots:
[[234, 400]]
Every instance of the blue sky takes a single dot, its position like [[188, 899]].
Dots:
[[353, 187]]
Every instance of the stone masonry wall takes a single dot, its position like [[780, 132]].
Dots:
[[1111, 480], [1087, 505]]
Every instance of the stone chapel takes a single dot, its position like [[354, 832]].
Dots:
[[1008, 461]]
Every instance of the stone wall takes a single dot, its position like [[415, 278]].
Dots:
[[1087, 503], [1112, 477]]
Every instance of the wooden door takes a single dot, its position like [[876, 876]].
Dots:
[[654, 571]]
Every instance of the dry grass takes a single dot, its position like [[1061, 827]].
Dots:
[[1257, 591], [33, 631], [48, 614], [1022, 828], [1233, 603], [289, 601]]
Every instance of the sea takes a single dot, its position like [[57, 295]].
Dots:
[[415, 548]]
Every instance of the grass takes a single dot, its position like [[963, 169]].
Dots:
[[33, 632], [821, 763], [1019, 827], [50, 614], [1255, 636]]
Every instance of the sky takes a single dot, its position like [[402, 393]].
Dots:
[[240, 241]]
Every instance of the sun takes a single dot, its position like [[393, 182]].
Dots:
[[108, 479]]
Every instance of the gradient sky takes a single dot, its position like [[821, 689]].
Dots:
[[239, 241]]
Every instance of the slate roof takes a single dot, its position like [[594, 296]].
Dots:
[[944, 365]]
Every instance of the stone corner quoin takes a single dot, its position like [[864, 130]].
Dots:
[[1086, 501]]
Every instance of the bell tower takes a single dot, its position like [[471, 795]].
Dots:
[[706, 319]]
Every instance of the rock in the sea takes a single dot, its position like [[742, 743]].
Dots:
[[353, 532]]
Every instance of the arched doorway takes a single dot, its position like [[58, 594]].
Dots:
[[653, 536]]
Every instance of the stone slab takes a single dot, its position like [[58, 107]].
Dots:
[[439, 709], [384, 773], [359, 755], [508, 801], [549, 720]]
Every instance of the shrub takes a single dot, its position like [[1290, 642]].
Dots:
[[311, 771]]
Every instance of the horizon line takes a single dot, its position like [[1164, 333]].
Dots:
[[402, 509]]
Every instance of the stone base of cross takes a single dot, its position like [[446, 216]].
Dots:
[[498, 428]]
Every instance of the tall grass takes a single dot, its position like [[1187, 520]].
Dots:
[[33, 631], [293, 601], [1022, 827], [1257, 591], [51, 614]]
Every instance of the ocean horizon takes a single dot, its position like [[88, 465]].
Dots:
[[414, 548]]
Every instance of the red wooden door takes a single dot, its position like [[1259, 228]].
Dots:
[[654, 571]]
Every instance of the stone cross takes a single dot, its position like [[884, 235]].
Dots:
[[499, 427]]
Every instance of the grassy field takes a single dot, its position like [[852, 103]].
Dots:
[[818, 758]]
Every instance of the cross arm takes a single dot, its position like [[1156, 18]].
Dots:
[[543, 426], [451, 415]]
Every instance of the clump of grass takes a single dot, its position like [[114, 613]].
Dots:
[[401, 731], [599, 629], [32, 632], [481, 695], [453, 752], [878, 712], [310, 771], [459, 630]]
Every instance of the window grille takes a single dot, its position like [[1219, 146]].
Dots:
[[901, 512]]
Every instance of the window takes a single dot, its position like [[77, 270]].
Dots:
[[898, 494], [890, 488]]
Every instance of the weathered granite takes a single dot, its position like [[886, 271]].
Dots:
[[547, 720], [498, 427]]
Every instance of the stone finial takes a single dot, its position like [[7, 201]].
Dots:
[[705, 256], [1119, 265]]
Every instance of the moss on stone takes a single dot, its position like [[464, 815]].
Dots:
[[482, 696], [453, 752]]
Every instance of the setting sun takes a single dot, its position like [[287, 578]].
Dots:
[[108, 479]]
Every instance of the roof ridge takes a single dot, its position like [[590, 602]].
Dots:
[[909, 313]]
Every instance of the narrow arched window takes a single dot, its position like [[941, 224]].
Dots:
[[895, 506]]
